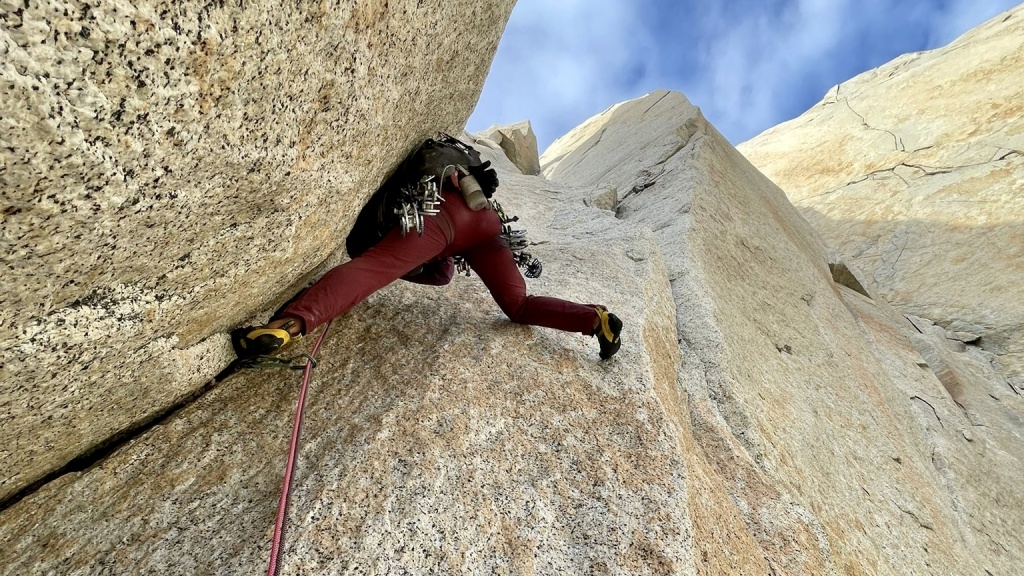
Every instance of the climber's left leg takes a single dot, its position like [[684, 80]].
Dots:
[[345, 286]]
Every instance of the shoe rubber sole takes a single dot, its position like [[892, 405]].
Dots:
[[261, 341], [608, 333]]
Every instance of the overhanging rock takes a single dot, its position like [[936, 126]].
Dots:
[[438, 438], [172, 170], [760, 417]]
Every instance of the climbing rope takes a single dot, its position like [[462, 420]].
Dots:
[[282, 506]]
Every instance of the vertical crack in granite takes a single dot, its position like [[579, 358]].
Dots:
[[170, 172], [99, 451]]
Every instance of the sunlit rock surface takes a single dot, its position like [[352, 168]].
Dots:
[[519, 144], [839, 448], [915, 172], [171, 170], [760, 417], [763, 416], [439, 437]]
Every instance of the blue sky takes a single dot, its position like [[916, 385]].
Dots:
[[749, 64]]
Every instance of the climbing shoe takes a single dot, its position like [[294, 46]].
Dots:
[[608, 329], [253, 341]]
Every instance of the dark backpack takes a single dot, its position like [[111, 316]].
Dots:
[[434, 158]]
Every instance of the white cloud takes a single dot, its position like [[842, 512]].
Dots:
[[562, 62], [748, 67], [748, 64]]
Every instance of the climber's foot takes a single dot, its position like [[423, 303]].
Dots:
[[607, 331], [252, 341]]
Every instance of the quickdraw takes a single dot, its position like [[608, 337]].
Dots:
[[414, 203], [517, 243]]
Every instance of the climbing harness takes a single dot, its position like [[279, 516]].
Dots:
[[517, 243], [405, 197], [433, 162], [282, 506]]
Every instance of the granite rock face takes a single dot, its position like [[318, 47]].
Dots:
[[760, 418], [170, 170], [519, 144], [915, 172], [439, 438], [811, 404], [769, 412]]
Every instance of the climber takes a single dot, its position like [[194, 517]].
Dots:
[[455, 230]]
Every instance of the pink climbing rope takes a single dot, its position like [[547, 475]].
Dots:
[[282, 506]]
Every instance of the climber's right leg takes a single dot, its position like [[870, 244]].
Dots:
[[494, 263]]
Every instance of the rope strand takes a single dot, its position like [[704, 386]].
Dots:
[[282, 506]]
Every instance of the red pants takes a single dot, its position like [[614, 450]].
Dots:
[[457, 230]]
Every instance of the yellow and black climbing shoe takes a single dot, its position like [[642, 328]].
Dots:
[[608, 329], [253, 341]]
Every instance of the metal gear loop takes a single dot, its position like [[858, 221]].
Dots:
[[517, 243], [422, 200]]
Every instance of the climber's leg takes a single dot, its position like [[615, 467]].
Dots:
[[494, 263], [350, 283]]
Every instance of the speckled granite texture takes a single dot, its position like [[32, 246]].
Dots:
[[170, 170], [519, 143], [761, 417], [843, 448]]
